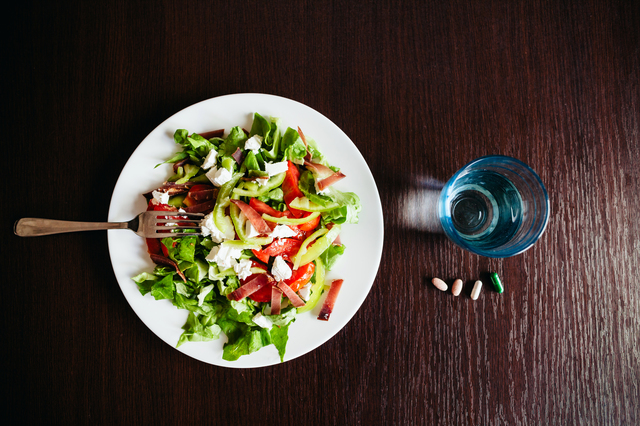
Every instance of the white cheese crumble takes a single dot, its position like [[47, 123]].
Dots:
[[276, 168], [305, 291], [261, 181], [224, 255], [253, 143], [324, 192], [243, 268], [220, 176], [248, 226], [210, 159], [161, 197], [280, 270], [209, 228], [283, 231], [262, 321]]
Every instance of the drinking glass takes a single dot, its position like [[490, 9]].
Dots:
[[495, 206]]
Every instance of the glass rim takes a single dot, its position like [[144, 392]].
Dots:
[[530, 240]]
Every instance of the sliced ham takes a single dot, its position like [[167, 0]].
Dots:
[[162, 260], [205, 207], [325, 177], [250, 287], [276, 299], [212, 134], [330, 301], [204, 194], [254, 217], [291, 295], [327, 182], [180, 163], [171, 188], [238, 155], [304, 140], [319, 170]]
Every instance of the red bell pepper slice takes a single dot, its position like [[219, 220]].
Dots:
[[298, 279], [311, 225], [263, 294], [285, 247], [290, 188], [154, 246], [301, 276]]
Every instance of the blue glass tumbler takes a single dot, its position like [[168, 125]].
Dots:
[[495, 206]]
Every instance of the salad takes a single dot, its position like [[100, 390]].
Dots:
[[270, 233]]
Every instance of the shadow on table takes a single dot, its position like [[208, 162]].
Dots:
[[417, 205]]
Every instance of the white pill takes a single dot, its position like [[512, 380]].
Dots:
[[476, 290], [456, 288], [440, 285]]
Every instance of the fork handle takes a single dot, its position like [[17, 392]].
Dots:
[[34, 227]]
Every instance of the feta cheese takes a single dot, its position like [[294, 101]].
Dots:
[[276, 168], [209, 228], [243, 268], [224, 255], [161, 197], [262, 321], [248, 227], [283, 231], [280, 270], [305, 291], [253, 143], [220, 176], [210, 159], [325, 192], [261, 181]]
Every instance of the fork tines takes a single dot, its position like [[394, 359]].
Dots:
[[177, 224]]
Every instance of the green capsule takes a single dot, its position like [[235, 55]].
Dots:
[[497, 285]]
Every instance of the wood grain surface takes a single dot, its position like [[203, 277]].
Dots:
[[421, 87]]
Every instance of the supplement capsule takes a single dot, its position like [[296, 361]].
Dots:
[[440, 285], [497, 285], [456, 288], [476, 290]]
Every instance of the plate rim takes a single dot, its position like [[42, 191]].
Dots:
[[377, 214]]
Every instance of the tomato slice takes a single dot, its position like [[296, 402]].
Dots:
[[290, 188], [311, 225], [261, 255], [263, 294], [300, 276], [154, 246], [298, 279], [285, 247]]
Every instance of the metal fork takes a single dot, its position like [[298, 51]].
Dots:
[[150, 224]]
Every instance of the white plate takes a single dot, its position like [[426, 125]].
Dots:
[[358, 266]]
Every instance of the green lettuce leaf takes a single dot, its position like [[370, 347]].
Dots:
[[279, 338], [145, 281], [331, 255], [201, 328], [348, 202], [292, 145], [164, 288]]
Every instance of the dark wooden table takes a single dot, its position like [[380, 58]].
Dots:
[[421, 88]]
